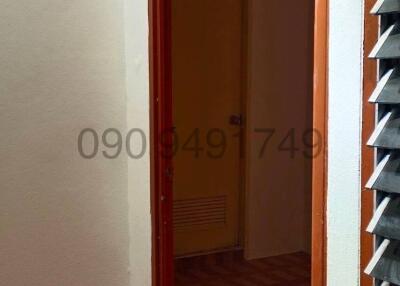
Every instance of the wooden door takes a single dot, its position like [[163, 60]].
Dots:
[[206, 84]]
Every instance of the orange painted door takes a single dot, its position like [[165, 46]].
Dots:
[[207, 84]]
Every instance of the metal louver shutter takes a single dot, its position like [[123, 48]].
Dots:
[[385, 180]]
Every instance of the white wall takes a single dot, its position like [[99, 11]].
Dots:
[[280, 97], [138, 114], [343, 209], [65, 220]]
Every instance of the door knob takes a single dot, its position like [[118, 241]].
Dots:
[[236, 119]]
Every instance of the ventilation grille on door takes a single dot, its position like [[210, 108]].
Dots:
[[199, 212], [385, 180]]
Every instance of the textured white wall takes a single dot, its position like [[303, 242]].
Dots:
[[137, 67], [344, 129], [65, 220]]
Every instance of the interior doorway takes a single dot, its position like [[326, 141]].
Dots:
[[233, 112], [207, 89]]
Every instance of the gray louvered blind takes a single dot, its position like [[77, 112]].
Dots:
[[385, 180]]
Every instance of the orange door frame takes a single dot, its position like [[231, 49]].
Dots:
[[368, 124], [319, 173], [161, 139]]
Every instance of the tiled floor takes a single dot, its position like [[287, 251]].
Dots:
[[230, 269]]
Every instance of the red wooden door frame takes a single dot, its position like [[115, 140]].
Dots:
[[371, 26], [161, 138]]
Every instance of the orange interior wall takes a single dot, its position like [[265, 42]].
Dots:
[[278, 203]]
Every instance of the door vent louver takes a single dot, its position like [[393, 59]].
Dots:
[[385, 180], [199, 212]]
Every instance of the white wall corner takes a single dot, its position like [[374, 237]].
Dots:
[[138, 116], [344, 141]]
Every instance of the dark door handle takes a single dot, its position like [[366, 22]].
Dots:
[[236, 119]]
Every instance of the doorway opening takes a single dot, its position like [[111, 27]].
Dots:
[[234, 140]]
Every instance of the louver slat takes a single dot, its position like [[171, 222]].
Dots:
[[388, 45], [386, 6], [385, 224], [387, 90], [386, 220], [387, 133], [386, 176], [385, 265]]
